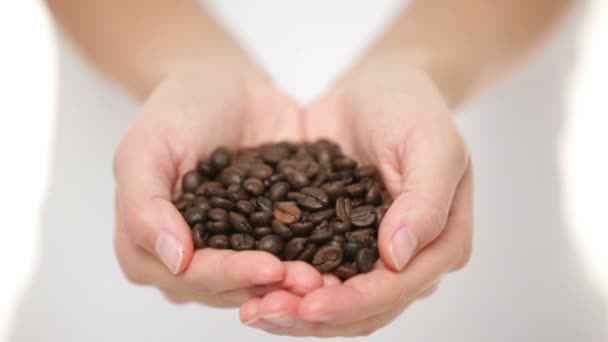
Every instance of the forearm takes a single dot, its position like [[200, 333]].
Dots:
[[140, 42], [464, 45]]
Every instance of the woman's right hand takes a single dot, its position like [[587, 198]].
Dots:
[[185, 118]]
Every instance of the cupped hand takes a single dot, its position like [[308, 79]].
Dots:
[[394, 118], [185, 118]]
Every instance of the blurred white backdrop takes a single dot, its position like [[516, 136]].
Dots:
[[539, 269]]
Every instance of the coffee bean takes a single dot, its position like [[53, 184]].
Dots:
[[199, 235], [365, 259], [356, 189], [217, 227], [289, 165], [187, 196], [245, 207], [287, 212], [321, 176], [281, 230], [341, 227], [380, 212], [219, 241], [191, 181], [200, 190], [350, 250], [297, 179], [374, 194], [308, 253], [302, 228], [274, 154], [264, 204], [216, 192], [273, 244], [254, 186], [260, 232], [294, 248], [218, 214], [220, 158], [321, 234], [218, 202], [239, 222], [322, 215], [364, 237], [194, 215], [231, 175], [343, 208], [335, 190], [260, 171], [241, 242], [357, 202], [363, 216], [339, 239], [344, 163], [346, 271], [237, 193], [311, 198], [366, 171], [182, 204], [260, 219], [327, 257], [278, 191], [206, 169], [345, 176], [277, 177], [201, 202]]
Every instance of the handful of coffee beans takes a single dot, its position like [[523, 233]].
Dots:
[[305, 202]]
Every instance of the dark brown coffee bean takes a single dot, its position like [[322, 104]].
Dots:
[[364, 237], [339, 239], [380, 212], [297, 179], [182, 204], [277, 177], [199, 235], [278, 191], [357, 202], [260, 232], [341, 227], [254, 186], [346, 271], [310, 198], [321, 234], [218, 202], [344, 163], [321, 176], [287, 212], [242, 242], [187, 196], [350, 250], [374, 194], [264, 204], [281, 230], [200, 190], [217, 227], [305, 215], [218, 214], [260, 219], [239, 222], [289, 165], [219, 241], [365, 259], [356, 189], [260, 171], [237, 193], [366, 171], [308, 253], [327, 257], [220, 158], [322, 215], [245, 207], [206, 169], [294, 248], [273, 244], [191, 181], [201, 202], [302, 228], [363, 216], [343, 208], [273, 154], [345, 176], [194, 215], [231, 175], [335, 190], [216, 192]]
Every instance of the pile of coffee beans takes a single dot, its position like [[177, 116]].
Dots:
[[305, 202]]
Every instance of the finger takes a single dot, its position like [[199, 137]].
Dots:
[[300, 278], [278, 308], [431, 172], [144, 179], [228, 299]]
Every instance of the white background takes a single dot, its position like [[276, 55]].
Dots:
[[539, 142]]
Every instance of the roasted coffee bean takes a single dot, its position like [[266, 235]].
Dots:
[[254, 186], [220, 158], [311, 169], [239, 222], [322, 215], [287, 212], [297, 179], [264, 204], [288, 165], [273, 154], [241, 242], [308, 253], [364, 237], [363, 216], [343, 208], [273, 244], [365, 259], [237, 193], [327, 257], [231, 175], [302, 228], [278, 191], [281, 229], [217, 227], [245, 207], [218, 214], [200, 190], [194, 215], [339, 239], [181, 204], [357, 202], [345, 176], [380, 212], [219, 241], [191, 181], [218, 202], [341, 227], [356, 189], [321, 234], [199, 235], [216, 192], [374, 194], [206, 169], [201, 202], [344, 163], [311, 198], [260, 232], [350, 250], [260, 171], [277, 177], [321, 176], [346, 271], [260, 219], [187, 196], [367, 171], [294, 248], [335, 190]]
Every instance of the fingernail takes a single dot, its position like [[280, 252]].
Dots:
[[170, 251], [281, 319], [402, 247]]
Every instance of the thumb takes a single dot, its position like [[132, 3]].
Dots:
[[144, 179]]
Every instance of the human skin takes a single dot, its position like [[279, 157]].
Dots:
[[393, 108]]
